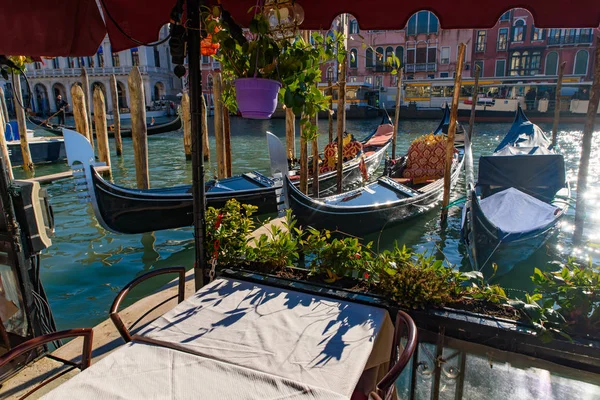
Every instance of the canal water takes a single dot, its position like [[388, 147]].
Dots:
[[86, 265]]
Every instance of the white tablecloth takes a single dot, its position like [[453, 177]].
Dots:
[[146, 372], [305, 338]]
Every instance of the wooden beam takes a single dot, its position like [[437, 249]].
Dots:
[[452, 131], [303, 163], [85, 82], [470, 180], [315, 159], [17, 95], [204, 119], [139, 132], [290, 134], [227, 141], [101, 128], [330, 114], [187, 126], [341, 117], [4, 109], [4, 147], [397, 110], [218, 124], [114, 94], [80, 113], [561, 72]]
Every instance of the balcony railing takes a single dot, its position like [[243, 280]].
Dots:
[[96, 71], [571, 39], [421, 67]]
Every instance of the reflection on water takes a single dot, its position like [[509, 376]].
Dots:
[[87, 265]]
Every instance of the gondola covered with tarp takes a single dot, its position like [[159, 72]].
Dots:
[[520, 196]]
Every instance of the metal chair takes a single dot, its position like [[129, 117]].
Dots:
[[114, 309], [398, 361], [86, 353]]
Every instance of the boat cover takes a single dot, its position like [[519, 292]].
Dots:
[[524, 137], [540, 175], [513, 211]]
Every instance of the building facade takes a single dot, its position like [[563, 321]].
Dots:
[[57, 76]]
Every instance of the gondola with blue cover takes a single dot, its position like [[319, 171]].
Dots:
[[519, 198]]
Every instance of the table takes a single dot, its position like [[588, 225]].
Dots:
[[146, 372], [320, 341]]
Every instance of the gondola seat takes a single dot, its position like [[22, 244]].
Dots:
[[350, 151], [382, 136], [425, 159]]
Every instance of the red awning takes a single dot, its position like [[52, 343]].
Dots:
[[77, 27]]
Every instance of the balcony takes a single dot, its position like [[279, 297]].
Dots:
[[586, 38], [99, 71], [421, 67]]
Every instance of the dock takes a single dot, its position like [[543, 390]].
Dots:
[[63, 175]]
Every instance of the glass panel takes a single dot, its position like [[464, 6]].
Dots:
[[422, 55], [500, 67], [431, 54], [412, 25], [581, 60], [423, 22], [433, 23], [502, 38], [369, 58]]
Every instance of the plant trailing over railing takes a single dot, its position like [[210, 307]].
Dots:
[[564, 302]]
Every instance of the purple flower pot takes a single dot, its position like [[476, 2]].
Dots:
[[256, 97]]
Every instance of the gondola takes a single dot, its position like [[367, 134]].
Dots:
[[368, 209], [459, 136], [519, 198], [43, 150], [56, 129]]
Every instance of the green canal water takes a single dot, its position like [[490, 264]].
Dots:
[[86, 265]]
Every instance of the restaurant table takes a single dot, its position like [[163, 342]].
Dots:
[[146, 372], [327, 343]]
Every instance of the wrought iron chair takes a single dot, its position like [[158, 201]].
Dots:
[[86, 353], [114, 309], [398, 361]]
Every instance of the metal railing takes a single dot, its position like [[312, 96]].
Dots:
[[571, 39], [421, 67], [95, 71]]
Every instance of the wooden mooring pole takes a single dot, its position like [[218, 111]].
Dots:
[[452, 131], [303, 163], [290, 134], [218, 124], [561, 72], [397, 110], [315, 158], [330, 111], [80, 113], [227, 141], [114, 95], [586, 150], [341, 117], [204, 119], [139, 132], [187, 126], [3, 105], [85, 82], [17, 95], [470, 180], [101, 129], [4, 147]]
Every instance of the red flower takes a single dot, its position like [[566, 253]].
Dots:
[[357, 256], [366, 275]]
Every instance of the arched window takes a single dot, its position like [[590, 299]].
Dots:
[[135, 57], [551, 63], [369, 58], [581, 63], [100, 56], [515, 63], [519, 31], [412, 25], [329, 74], [400, 56], [389, 56], [379, 59], [354, 26], [353, 58]]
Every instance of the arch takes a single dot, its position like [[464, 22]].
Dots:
[[59, 89], [400, 55], [581, 63], [369, 58], [121, 95], [551, 63], [159, 90], [389, 53], [353, 58], [40, 94], [519, 30], [379, 57], [329, 75]]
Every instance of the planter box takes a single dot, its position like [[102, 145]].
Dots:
[[498, 333]]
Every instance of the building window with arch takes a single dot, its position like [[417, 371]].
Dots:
[[538, 34], [481, 39], [502, 39], [353, 58], [525, 63], [90, 62], [379, 64], [519, 31], [551, 63], [445, 55], [422, 22], [389, 57], [369, 58], [329, 74], [157, 57], [116, 60], [100, 56], [505, 16], [400, 56], [37, 65], [354, 26], [55, 63], [135, 57], [581, 63]]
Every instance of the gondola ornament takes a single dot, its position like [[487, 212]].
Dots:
[[279, 163]]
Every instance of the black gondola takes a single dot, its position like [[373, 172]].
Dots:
[[520, 196], [56, 129], [124, 210], [367, 209], [43, 150], [459, 136]]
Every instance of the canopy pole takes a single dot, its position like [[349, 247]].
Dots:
[[85, 82], [101, 131], [470, 180], [397, 111], [204, 124], [341, 116], [452, 131], [290, 134], [195, 90], [218, 124], [586, 150], [27, 160], [227, 141], [4, 147], [114, 94], [330, 111], [561, 71], [315, 158], [303, 161], [139, 130], [187, 126], [3, 105]]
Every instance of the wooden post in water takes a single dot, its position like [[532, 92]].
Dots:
[[315, 158], [80, 113], [290, 134], [3, 105], [586, 150], [561, 72], [114, 94], [4, 146], [17, 95], [218, 123], [397, 110], [470, 181], [330, 113], [187, 126], [341, 117], [139, 132], [303, 163], [452, 131], [101, 129], [227, 141], [204, 119], [85, 82]]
